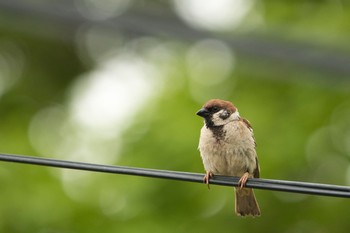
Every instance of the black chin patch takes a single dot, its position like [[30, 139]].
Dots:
[[209, 123], [218, 132]]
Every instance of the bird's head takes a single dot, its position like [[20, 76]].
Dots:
[[218, 112]]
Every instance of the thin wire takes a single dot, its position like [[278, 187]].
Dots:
[[268, 184]]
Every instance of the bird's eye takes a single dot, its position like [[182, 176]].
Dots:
[[214, 109]]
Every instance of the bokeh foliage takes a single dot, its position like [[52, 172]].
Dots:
[[300, 117]]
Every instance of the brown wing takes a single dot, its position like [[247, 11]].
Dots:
[[247, 123], [256, 173]]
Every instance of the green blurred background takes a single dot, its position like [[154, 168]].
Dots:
[[119, 82]]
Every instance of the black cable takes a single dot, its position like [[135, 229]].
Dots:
[[269, 184]]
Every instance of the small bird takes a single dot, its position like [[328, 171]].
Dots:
[[227, 147]]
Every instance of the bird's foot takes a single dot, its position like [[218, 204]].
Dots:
[[243, 180], [206, 178]]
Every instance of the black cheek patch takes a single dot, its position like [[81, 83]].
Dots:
[[224, 115]]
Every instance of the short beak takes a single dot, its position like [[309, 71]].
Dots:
[[203, 112]]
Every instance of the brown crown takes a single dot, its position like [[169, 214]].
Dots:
[[221, 104]]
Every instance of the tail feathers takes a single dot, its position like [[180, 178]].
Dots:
[[246, 203]]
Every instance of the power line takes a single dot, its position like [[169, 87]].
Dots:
[[269, 184], [63, 14]]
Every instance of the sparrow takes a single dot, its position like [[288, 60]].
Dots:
[[227, 147]]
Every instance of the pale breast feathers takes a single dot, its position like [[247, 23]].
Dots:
[[234, 154]]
